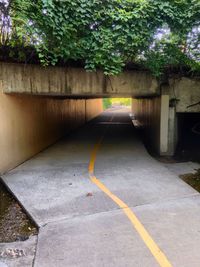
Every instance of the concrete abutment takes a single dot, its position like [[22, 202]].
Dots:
[[159, 115]]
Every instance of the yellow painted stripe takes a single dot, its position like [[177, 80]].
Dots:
[[150, 243]]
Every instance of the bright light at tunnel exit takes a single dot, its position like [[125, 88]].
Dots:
[[116, 102]]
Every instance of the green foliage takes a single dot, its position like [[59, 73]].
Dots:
[[107, 34], [180, 42], [121, 101], [109, 102], [106, 103]]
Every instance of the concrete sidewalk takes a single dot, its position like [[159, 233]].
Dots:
[[81, 226]]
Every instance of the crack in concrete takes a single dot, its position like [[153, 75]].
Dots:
[[118, 209]]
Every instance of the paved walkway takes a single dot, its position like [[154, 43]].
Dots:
[[82, 221]]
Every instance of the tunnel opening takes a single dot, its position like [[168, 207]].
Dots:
[[188, 136], [117, 102]]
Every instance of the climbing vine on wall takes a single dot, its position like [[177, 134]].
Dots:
[[107, 34]]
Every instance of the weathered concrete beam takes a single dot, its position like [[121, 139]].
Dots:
[[67, 81]]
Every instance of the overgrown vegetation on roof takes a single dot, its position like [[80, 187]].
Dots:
[[105, 34]]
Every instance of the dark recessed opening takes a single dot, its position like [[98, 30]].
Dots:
[[188, 147]]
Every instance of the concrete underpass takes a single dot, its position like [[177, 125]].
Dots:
[[85, 176], [81, 224], [55, 100]]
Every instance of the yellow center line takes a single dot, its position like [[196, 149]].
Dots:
[[150, 243]]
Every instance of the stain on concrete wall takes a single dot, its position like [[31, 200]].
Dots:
[[28, 124]]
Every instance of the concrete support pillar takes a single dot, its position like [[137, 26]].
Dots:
[[164, 126], [168, 127], [172, 131]]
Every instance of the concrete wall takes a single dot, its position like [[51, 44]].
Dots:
[[158, 121], [187, 92], [148, 112], [34, 79], [30, 124], [93, 108]]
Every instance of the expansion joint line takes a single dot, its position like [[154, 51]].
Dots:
[[138, 226]]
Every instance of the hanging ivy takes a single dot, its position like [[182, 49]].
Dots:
[[108, 34]]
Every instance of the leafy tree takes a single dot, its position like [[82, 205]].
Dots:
[[108, 34], [121, 101], [107, 103], [5, 22], [179, 43]]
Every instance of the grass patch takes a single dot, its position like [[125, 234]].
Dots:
[[193, 179]]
